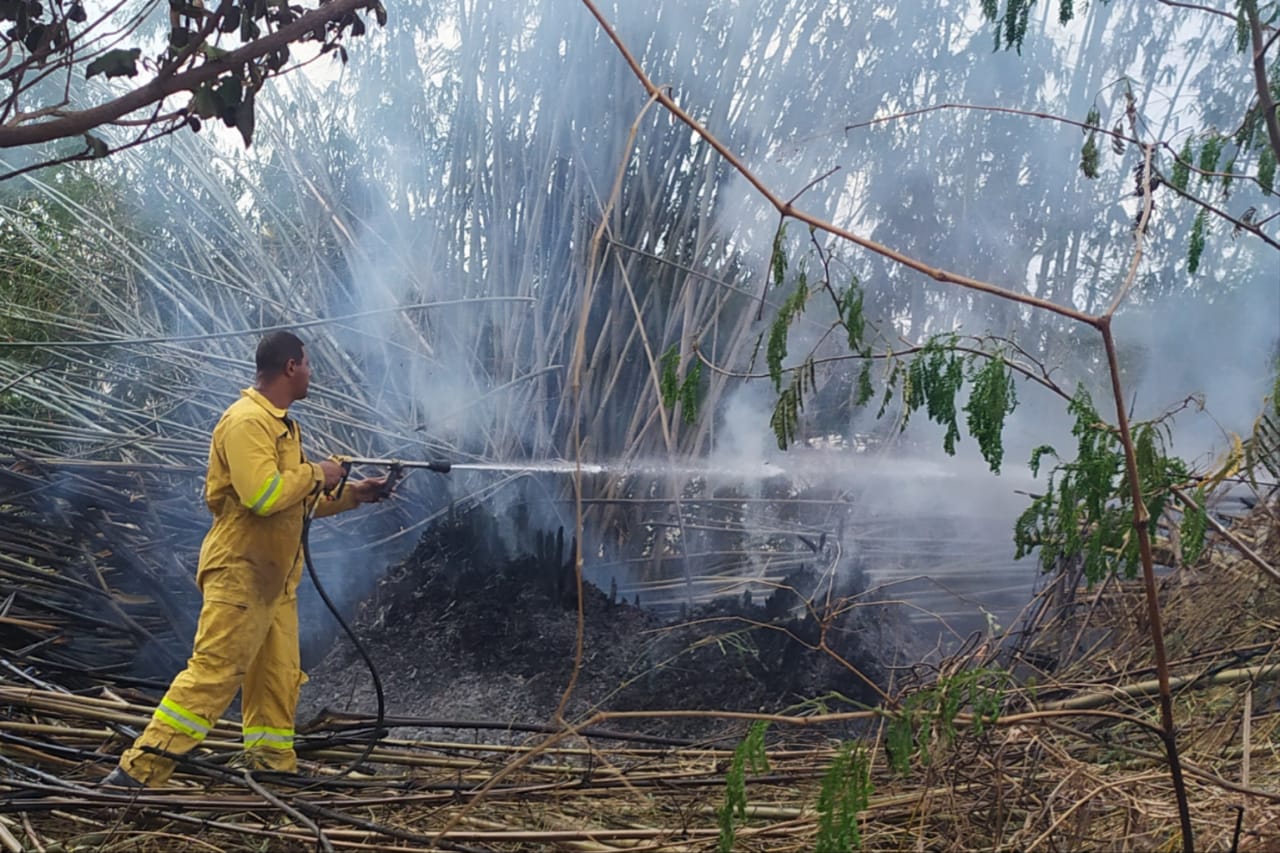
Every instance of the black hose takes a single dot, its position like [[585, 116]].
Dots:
[[373, 669]]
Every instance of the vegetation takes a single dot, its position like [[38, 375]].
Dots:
[[933, 379], [212, 64], [490, 270]]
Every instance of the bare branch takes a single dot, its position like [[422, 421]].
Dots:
[[1146, 187], [1101, 131], [1040, 378], [1199, 8], [786, 209], [1265, 102], [1253, 228]]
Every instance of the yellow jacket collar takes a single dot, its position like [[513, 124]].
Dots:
[[257, 397]]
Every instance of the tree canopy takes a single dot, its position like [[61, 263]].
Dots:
[[186, 64]]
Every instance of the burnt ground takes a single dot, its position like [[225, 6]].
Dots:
[[463, 631]]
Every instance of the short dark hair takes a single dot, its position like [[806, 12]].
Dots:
[[274, 351]]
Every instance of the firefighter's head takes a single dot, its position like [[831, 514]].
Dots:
[[283, 364]]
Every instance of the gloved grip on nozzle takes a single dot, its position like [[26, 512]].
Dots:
[[346, 472]]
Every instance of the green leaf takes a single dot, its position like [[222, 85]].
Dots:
[[1267, 170], [689, 393], [204, 102], [900, 742], [245, 118], [230, 91], [991, 401], [230, 20], [786, 412], [776, 350], [277, 58], [1087, 510], [1038, 454], [1089, 151], [1196, 246], [844, 793], [887, 397], [1089, 156], [933, 379], [778, 258], [115, 63], [668, 380], [1209, 154], [1016, 16], [865, 390], [1182, 168], [749, 755], [97, 147], [785, 418], [850, 306]]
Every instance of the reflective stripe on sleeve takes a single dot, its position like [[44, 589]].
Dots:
[[268, 736], [266, 496], [177, 717]]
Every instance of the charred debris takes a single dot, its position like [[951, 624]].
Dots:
[[98, 562]]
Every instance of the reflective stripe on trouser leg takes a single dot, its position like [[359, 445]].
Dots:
[[271, 685], [228, 636], [186, 721], [267, 737]]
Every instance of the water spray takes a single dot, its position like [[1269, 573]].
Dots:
[[397, 468]]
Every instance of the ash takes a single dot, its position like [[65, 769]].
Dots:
[[463, 631]]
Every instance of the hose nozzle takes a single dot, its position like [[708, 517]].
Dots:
[[394, 464]]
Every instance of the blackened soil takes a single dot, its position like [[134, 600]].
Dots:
[[462, 631]]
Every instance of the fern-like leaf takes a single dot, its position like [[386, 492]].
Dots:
[[689, 389], [750, 756], [845, 792], [1195, 247], [1182, 168], [668, 381], [991, 401], [1267, 170]]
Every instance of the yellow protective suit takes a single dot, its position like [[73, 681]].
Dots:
[[259, 489]]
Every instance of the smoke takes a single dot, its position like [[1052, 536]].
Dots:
[[1220, 350], [442, 206], [519, 172]]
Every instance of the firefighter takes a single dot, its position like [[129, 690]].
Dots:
[[260, 488]]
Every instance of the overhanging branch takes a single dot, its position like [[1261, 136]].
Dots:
[[1266, 103], [73, 124]]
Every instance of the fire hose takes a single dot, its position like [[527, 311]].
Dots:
[[396, 470]]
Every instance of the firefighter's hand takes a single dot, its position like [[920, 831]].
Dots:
[[332, 473], [369, 490]]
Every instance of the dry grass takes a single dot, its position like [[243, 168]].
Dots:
[[1074, 761]]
